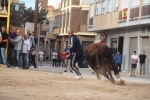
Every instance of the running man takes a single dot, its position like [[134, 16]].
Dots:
[[77, 56]]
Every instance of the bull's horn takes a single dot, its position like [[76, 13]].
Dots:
[[118, 76]]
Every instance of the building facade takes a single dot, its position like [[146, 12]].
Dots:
[[127, 26], [74, 15], [44, 3]]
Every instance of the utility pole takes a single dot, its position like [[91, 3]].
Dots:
[[36, 18], [35, 28]]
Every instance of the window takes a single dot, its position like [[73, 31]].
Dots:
[[103, 7], [148, 28], [98, 8], [69, 19], [62, 4], [66, 3], [109, 5], [135, 3], [146, 1], [145, 10], [92, 11], [90, 21], [62, 22], [116, 5], [92, 1], [124, 4], [66, 20], [143, 29]]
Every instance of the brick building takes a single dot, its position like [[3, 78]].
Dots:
[[126, 24]]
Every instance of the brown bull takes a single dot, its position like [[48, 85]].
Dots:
[[100, 59]]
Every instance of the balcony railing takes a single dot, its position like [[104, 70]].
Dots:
[[145, 10], [134, 13], [56, 31]]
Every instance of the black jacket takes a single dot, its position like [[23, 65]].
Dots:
[[75, 44]]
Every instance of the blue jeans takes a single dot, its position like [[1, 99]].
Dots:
[[30, 59], [3, 56], [18, 57], [12, 60], [25, 60]]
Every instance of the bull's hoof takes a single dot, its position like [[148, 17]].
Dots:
[[113, 81], [117, 76]]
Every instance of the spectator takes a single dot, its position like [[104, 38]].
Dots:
[[12, 35], [41, 55], [118, 60], [134, 58], [17, 47], [68, 60], [33, 50], [63, 57], [59, 59], [142, 62], [31, 39], [35, 40], [25, 51], [3, 45], [54, 57]]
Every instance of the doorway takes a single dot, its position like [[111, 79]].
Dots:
[[120, 44], [146, 48], [113, 48]]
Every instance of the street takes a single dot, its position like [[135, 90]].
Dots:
[[87, 73]]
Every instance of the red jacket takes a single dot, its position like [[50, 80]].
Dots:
[[63, 56]]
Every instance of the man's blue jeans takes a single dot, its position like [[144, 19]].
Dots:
[[30, 60], [3, 56], [18, 57], [12, 60], [25, 60]]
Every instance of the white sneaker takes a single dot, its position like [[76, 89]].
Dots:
[[78, 77], [16, 67], [12, 66], [5, 66]]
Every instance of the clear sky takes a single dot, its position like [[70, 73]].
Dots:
[[31, 3]]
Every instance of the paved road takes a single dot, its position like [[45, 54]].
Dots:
[[87, 73]]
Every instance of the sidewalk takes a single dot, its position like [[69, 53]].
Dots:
[[47, 66]]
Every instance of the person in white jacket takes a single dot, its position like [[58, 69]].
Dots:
[[25, 51]]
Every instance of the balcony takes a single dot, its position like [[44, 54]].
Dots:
[[82, 28], [56, 31], [45, 27], [43, 34], [145, 10]]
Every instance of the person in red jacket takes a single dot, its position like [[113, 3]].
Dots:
[[63, 56]]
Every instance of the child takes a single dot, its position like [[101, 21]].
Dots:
[[41, 55], [63, 56]]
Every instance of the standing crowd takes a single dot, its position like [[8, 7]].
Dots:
[[21, 50], [60, 59], [134, 60]]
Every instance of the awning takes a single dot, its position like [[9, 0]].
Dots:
[[81, 33], [86, 33]]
